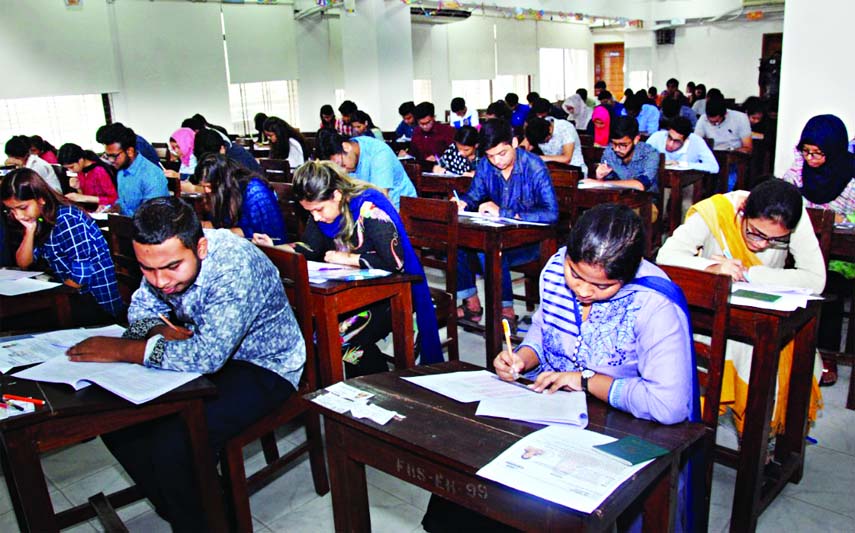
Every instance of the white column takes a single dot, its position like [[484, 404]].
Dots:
[[816, 70], [377, 58], [313, 64]]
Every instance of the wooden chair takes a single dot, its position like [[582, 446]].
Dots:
[[293, 213], [725, 159], [62, 176], [295, 277], [707, 295], [162, 150], [174, 186], [432, 229], [592, 155], [277, 170], [121, 241]]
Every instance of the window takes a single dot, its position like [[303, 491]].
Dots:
[[422, 91], [274, 98], [339, 97], [475, 92], [562, 71], [519, 84], [57, 119]]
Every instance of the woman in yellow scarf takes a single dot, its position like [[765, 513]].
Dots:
[[748, 236]]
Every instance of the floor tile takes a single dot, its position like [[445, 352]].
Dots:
[[71, 464], [148, 522], [828, 481], [108, 480], [790, 514], [407, 492], [291, 490]]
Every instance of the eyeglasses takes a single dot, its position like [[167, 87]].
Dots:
[[622, 146], [110, 158], [753, 235], [812, 155]]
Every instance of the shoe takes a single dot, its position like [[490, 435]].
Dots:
[[829, 371], [469, 314]]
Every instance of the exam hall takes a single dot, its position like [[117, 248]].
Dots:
[[111, 111]]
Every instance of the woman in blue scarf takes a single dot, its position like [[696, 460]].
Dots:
[[353, 223]]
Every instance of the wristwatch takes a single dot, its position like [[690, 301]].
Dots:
[[586, 375]]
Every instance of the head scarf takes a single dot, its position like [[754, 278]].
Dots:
[[823, 184], [431, 349], [581, 113], [601, 134], [185, 138]]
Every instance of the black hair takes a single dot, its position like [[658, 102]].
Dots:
[[703, 89], [327, 110], [284, 132], [605, 95], [623, 127], [424, 109], [207, 142], [714, 93], [542, 106], [670, 108], [361, 116], [715, 107], [117, 133], [652, 90], [41, 145], [537, 130], [25, 184], [754, 104], [600, 85], [777, 200], [512, 99], [672, 81], [466, 135], [500, 109], [258, 120], [18, 146], [495, 132], [193, 123], [71, 153], [329, 143], [681, 125], [583, 92], [457, 104], [228, 180], [609, 236], [633, 104], [347, 108], [532, 97], [159, 219], [406, 108], [205, 124], [628, 93]]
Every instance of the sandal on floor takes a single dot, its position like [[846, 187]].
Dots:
[[470, 315], [829, 372]]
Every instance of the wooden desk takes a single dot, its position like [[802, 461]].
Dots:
[[332, 299], [677, 180], [432, 186], [757, 484], [843, 248], [491, 241], [55, 301], [726, 158], [199, 201], [70, 417], [441, 444]]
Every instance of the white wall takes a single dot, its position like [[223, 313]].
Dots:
[[816, 70]]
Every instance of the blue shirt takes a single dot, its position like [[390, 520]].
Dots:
[[140, 182], [694, 153], [260, 212], [379, 166], [236, 308], [527, 193], [519, 115], [76, 250], [240, 154], [648, 119], [145, 149], [404, 130], [643, 166]]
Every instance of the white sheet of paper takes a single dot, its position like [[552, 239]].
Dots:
[[561, 407], [791, 298], [372, 412], [8, 274], [135, 383], [441, 174], [99, 216], [66, 338], [501, 221], [333, 402], [343, 390], [24, 286], [558, 463], [469, 386]]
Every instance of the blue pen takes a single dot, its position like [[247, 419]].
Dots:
[[455, 194]]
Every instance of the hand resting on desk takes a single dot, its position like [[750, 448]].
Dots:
[[107, 350]]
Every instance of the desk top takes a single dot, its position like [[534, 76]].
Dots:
[[451, 434], [335, 286]]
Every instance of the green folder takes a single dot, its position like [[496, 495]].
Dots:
[[631, 450]]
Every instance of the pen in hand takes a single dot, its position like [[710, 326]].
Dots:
[[507, 329], [167, 322]]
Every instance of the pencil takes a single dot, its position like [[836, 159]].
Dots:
[[167, 322], [507, 329]]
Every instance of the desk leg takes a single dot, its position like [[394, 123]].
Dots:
[[798, 401], [26, 483], [63, 310], [660, 506], [755, 433], [347, 483], [492, 301], [329, 342], [402, 328], [204, 465], [676, 200]]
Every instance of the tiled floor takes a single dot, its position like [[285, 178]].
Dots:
[[822, 502]]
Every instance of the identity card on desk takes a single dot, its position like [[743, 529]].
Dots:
[[560, 464], [772, 297]]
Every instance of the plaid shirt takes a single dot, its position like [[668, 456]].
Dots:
[[76, 250]]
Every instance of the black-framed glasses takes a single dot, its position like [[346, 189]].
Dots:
[[110, 158], [754, 235], [812, 154]]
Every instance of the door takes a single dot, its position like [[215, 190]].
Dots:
[[608, 66]]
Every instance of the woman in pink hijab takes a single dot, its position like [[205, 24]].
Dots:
[[181, 145], [601, 120]]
